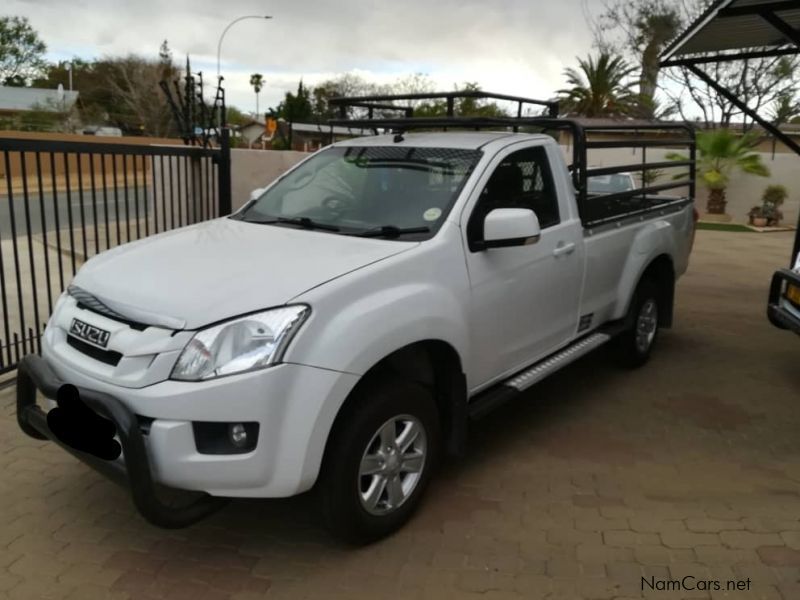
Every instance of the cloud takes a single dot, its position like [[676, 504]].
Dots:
[[511, 46]]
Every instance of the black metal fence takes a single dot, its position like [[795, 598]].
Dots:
[[62, 202]]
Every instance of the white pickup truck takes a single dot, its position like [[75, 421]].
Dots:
[[341, 331]]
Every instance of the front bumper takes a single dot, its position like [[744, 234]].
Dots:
[[779, 311], [34, 374]]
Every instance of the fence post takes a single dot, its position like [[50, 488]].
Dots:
[[196, 186], [225, 172]]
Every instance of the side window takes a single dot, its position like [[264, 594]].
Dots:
[[522, 180]]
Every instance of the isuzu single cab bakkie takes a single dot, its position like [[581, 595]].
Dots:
[[343, 328]]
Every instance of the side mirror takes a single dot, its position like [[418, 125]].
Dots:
[[507, 227], [256, 193]]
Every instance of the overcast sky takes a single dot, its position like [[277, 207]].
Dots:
[[508, 46]]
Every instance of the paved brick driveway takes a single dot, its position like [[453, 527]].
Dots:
[[596, 479]]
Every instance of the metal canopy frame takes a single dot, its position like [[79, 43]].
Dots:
[[604, 207], [373, 103], [787, 43]]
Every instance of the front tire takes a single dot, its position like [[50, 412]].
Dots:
[[635, 345], [379, 459]]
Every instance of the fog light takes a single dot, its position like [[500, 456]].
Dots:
[[238, 435], [225, 438]]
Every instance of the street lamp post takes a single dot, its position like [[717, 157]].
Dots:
[[224, 31]]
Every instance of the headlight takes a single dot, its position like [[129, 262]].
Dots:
[[242, 344]]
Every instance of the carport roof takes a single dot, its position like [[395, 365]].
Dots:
[[739, 25]]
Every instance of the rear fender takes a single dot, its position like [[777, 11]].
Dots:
[[654, 239]]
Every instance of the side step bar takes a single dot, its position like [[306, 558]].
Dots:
[[487, 401]]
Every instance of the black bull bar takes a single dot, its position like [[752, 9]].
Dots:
[[34, 374]]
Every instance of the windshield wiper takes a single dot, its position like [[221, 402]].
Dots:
[[304, 222], [391, 231]]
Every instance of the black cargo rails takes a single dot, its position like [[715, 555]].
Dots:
[[395, 114]]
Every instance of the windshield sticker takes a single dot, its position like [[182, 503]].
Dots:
[[432, 214]]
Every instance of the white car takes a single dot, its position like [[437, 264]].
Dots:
[[343, 328], [611, 184]]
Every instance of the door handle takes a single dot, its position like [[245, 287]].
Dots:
[[563, 249]]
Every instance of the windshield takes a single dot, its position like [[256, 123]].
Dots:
[[350, 190], [610, 184]]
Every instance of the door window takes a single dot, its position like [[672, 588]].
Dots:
[[522, 180]]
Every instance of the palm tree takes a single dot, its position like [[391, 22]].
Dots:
[[257, 81], [601, 87], [720, 154]]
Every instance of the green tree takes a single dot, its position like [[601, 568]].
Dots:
[[600, 87], [21, 51], [721, 153], [257, 81], [296, 107], [464, 107]]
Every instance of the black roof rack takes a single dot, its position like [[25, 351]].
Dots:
[[584, 136], [372, 103]]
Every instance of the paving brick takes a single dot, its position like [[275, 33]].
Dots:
[[89, 573], [768, 524], [88, 591], [687, 539], [706, 525], [563, 568], [484, 581], [630, 539], [644, 523], [600, 524], [600, 553], [8, 581], [791, 539], [721, 555], [663, 556], [779, 556], [748, 539], [572, 537]]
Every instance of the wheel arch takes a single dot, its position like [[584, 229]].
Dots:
[[433, 363], [661, 271]]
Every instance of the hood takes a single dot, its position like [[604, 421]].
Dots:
[[197, 275]]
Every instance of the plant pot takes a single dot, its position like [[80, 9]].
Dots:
[[759, 221]]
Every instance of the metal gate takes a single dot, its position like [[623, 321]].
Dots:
[[62, 202]]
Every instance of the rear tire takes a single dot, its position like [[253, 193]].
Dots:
[[635, 345], [379, 459]]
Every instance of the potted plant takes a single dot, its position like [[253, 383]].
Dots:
[[757, 216], [772, 199]]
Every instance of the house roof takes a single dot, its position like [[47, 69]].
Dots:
[[738, 25], [27, 98]]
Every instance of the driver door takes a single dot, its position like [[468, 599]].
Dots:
[[525, 299]]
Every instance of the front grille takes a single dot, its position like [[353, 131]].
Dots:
[[108, 357]]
